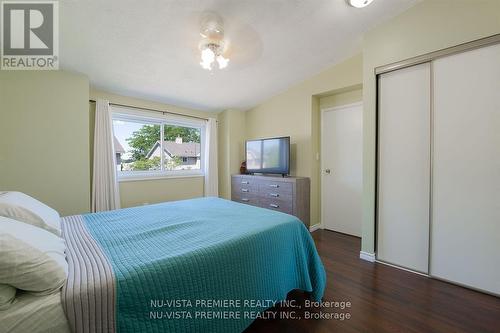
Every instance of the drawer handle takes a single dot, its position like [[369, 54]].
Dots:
[[274, 185], [245, 182], [274, 195], [274, 205], [244, 199], [244, 190]]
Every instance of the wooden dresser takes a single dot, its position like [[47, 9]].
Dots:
[[285, 194]]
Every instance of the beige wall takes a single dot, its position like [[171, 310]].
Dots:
[[426, 27], [143, 192], [231, 143], [44, 137], [139, 192], [295, 112]]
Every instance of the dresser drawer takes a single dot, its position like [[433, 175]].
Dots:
[[251, 199], [244, 181], [245, 189], [280, 188], [284, 206], [275, 195]]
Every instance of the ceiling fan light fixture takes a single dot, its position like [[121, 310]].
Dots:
[[212, 45], [359, 3]]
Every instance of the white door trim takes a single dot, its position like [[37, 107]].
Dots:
[[340, 107], [322, 152]]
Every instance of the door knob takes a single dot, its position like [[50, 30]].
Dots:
[[328, 171]]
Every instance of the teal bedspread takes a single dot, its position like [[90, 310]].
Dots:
[[172, 261]]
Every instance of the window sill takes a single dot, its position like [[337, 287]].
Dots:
[[136, 178]]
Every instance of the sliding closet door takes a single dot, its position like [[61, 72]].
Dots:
[[465, 231], [404, 167]]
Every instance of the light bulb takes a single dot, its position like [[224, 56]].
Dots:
[[359, 3], [207, 55], [222, 62], [207, 58], [206, 65]]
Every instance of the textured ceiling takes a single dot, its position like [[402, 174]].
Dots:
[[148, 49]]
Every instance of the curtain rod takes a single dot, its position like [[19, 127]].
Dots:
[[141, 108]]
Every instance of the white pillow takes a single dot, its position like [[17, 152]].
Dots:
[[31, 258], [7, 295], [22, 207]]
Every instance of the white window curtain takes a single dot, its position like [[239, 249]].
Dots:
[[105, 195], [211, 173]]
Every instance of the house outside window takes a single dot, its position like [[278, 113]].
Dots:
[[157, 146], [178, 154]]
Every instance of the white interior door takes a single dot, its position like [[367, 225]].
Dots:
[[465, 231], [342, 175], [404, 167]]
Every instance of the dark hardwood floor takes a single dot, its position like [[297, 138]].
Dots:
[[385, 299]]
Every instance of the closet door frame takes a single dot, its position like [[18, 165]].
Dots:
[[428, 57], [425, 58]]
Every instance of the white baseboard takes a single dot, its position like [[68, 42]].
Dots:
[[402, 268], [315, 227], [367, 256]]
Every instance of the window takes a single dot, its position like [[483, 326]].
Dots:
[[152, 147]]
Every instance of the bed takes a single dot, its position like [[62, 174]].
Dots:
[[199, 265], [33, 313]]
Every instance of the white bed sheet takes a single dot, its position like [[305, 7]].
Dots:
[[30, 313]]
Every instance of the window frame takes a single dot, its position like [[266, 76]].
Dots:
[[148, 118]]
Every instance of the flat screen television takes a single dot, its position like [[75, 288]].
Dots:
[[268, 156]]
